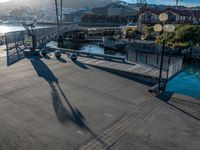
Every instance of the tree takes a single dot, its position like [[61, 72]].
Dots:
[[183, 37], [130, 33]]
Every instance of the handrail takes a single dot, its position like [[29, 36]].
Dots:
[[92, 55], [177, 60], [174, 68]]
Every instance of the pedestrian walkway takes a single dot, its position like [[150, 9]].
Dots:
[[49, 103], [134, 68]]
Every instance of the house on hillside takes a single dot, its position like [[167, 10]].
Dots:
[[179, 16], [196, 18], [176, 16]]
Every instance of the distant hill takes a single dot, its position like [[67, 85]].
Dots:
[[85, 3], [21, 4]]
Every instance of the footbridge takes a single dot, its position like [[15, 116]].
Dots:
[[18, 41], [21, 39]]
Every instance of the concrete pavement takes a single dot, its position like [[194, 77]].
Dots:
[[57, 104]]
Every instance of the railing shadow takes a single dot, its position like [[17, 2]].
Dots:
[[80, 64], [63, 114], [123, 74], [62, 60], [167, 98]]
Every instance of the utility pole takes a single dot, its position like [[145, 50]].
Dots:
[[61, 12], [177, 2], [133, 10]]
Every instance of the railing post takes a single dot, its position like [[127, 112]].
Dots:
[[146, 58], [169, 59], [6, 41], [136, 56], [157, 60]]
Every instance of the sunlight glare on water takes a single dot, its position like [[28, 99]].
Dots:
[[4, 29]]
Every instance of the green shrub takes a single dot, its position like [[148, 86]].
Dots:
[[184, 36]]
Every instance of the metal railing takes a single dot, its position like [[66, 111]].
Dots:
[[195, 51], [2, 40], [44, 35], [174, 68], [172, 65], [92, 55], [149, 58]]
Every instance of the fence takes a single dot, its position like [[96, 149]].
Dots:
[[145, 46], [150, 58], [170, 64], [195, 51], [2, 40], [174, 68]]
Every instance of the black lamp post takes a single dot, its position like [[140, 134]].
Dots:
[[164, 28]]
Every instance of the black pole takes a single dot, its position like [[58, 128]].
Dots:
[[161, 65], [57, 18], [61, 12]]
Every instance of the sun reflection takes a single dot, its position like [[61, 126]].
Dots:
[[3, 1], [4, 29]]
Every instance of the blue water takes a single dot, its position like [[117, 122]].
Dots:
[[95, 49], [187, 82]]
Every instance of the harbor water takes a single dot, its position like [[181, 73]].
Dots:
[[94, 48], [8, 28], [187, 82]]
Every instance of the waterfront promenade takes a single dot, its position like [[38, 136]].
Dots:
[[51, 104]]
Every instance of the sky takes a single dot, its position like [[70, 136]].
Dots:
[[166, 2]]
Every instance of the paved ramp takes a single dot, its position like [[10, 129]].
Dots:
[[145, 71]]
